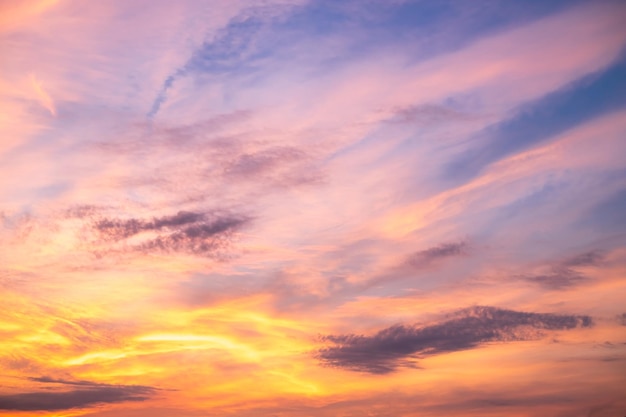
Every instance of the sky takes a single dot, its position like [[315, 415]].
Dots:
[[312, 208]]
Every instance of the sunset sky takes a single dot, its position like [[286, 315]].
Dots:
[[312, 208]]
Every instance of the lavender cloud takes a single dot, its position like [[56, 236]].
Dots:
[[428, 114], [564, 275], [591, 258], [558, 278], [252, 165], [425, 257]]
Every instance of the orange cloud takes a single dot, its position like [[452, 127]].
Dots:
[[16, 12], [44, 98]]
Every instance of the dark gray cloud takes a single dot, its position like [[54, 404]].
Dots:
[[179, 219], [120, 229], [622, 319], [202, 238], [397, 345], [424, 258], [88, 394], [189, 232], [81, 382]]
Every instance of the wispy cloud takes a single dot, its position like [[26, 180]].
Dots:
[[592, 258], [43, 97], [566, 274], [558, 278], [231, 50]]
